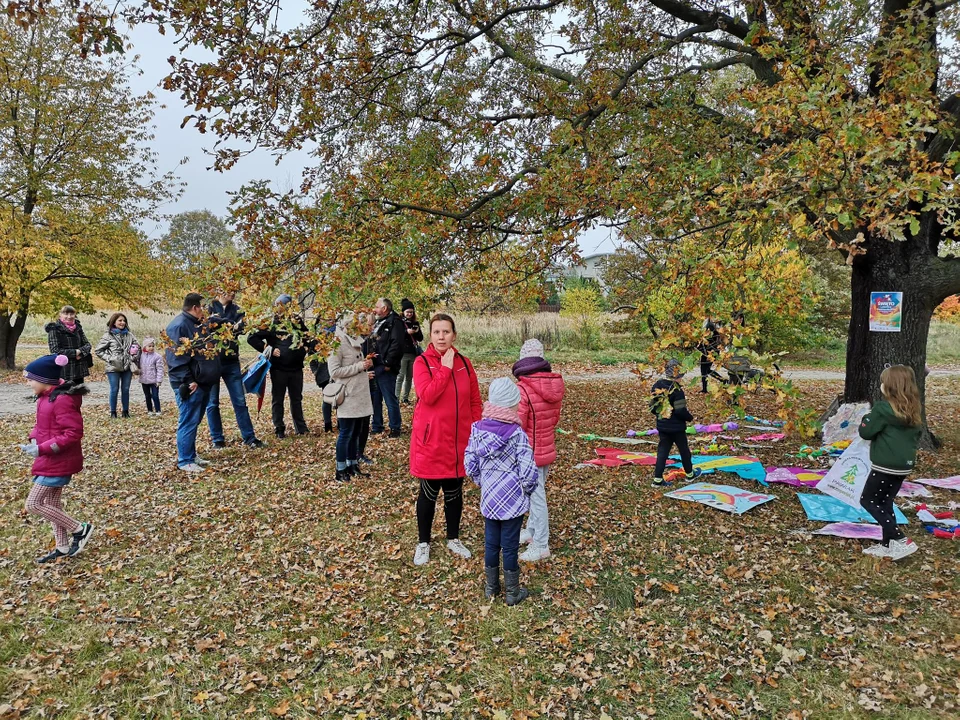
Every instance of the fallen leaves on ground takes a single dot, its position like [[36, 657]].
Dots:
[[264, 588]]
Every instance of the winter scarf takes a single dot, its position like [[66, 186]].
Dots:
[[530, 365]]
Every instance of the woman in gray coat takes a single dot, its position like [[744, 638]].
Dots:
[[118, 349], [349, 367]]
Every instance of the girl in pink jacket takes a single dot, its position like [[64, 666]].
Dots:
[[541, 395], [55, 447]]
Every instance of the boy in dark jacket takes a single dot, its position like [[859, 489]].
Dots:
[[669, 404]]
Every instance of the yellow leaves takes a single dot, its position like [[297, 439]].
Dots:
[[281, 710]]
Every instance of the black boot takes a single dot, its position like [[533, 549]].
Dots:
[[328, 428], [355, 471], [515, 594], [492, 586], [343, 475]]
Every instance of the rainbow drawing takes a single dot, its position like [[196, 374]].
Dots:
[[721, 497]]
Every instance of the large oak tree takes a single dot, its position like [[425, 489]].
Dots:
[[474, 125]]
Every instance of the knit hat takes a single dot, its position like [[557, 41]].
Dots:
[[283, 299], [46, 369], [504, 393], [672, 368], [531, 348], [406, 305]]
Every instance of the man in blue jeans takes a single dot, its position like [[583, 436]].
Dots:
[[192, 374], [223, 311], [387, 340]]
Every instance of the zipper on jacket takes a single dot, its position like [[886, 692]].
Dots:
[[456, 426]]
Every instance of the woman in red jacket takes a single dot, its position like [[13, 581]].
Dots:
[[448, 403]]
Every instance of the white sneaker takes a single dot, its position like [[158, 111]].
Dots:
[[191, 468], [534, 553], [878, 550], [458, 548], [201, 462], [899, 549], [421, 555], [525, 536]]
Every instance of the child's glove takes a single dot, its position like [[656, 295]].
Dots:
[[33, 450]]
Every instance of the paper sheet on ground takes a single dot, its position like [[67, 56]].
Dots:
[[856, 531], [722, 497], [824, 508], [912, 489], [950, 483], [749, 468], [843, 425], [620, 440], [795, 476], [845, 480]]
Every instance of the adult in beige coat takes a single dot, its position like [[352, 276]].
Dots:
[[349, 367]]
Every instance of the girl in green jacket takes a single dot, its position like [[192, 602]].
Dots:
[[893, 427]]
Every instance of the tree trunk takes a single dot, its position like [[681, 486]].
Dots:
[[11, 328], [890, 267], [10, 331]]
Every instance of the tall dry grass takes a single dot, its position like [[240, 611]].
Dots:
[[143, 323]]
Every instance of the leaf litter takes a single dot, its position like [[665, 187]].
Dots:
[[265, 589]]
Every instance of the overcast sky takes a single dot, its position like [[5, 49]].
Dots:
[[207, 188]]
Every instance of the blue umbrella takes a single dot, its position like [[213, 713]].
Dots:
[[255, 376]]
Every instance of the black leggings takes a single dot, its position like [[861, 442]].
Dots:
[[706, 370], [452, 506], [877, 499], [667, 441]]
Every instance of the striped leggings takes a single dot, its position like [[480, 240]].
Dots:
[[45, 502]]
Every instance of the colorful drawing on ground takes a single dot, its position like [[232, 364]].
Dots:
[[616, 457], [749, 468], [855, 531], [912, 489], [795, 476], [721, 497], [824, 508], [950, 483], [621, 440], [766, 436]]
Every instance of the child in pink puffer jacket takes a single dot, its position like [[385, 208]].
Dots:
[[541, 396]]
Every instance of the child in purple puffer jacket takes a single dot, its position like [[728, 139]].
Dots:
[[500, 460]]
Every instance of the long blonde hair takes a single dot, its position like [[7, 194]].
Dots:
[[900, 389]]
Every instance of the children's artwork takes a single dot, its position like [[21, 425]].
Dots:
[[950, 483], [828, 509], [845, 480], [722, 497], [886, 311], [856, 531], [615, 457], [774, 437], [844, 423], [749, 468], [797, 477], [621, 440], [912, 489]]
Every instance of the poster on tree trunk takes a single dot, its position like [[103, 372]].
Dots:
[[886, 311]]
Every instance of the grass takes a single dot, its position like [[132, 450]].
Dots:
[[265, 588]]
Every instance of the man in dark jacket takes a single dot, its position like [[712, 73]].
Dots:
[[289, 351], [192, 371], [389, 335], [224, 313]]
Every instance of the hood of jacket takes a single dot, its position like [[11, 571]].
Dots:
[[496, 436], [547, 385]]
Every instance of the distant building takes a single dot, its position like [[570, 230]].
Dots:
[[590, 267]]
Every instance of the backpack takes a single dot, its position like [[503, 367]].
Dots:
[[320, 372]]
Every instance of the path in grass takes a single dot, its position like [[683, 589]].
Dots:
[[264, 587]]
